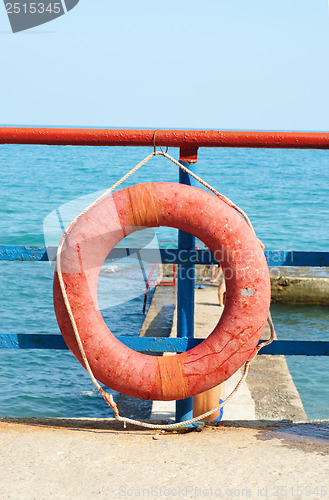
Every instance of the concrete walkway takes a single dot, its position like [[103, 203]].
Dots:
[[98, 459]]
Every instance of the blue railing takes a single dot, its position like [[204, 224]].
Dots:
[[172, 256], [160, 344]]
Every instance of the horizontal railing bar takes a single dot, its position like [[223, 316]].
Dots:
[[162, 344], [171, 256], [293, 258], [31, 341], [173, 138], [297, 348], [22, 252]]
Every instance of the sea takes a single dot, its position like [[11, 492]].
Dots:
[[284, 192]]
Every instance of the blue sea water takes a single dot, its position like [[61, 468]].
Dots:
[[285, 193]]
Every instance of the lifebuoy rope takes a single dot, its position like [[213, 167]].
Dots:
[[108, 397]]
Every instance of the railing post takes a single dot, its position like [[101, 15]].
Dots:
[[186, 282]]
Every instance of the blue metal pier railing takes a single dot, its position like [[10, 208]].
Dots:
[[184, 340], [185, 256]]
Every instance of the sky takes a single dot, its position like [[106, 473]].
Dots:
[[215, 64]]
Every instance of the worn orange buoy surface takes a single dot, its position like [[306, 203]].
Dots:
[[224, 231]]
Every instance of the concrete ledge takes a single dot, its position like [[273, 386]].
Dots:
[[273, 390], [300, 290]]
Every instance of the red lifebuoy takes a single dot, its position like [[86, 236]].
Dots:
[[224, 231]]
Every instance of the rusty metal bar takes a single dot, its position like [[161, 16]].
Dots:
[[188, 140]]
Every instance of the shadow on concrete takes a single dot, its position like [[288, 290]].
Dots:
[[88, 425], [208, 304], [161, 323], [139, 409], [312, 437]]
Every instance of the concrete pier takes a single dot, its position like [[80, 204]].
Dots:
[[292, 285]]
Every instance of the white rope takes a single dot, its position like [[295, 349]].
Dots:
[[108, 397]]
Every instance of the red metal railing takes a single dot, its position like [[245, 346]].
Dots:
[[151, 282], [188, 140]]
